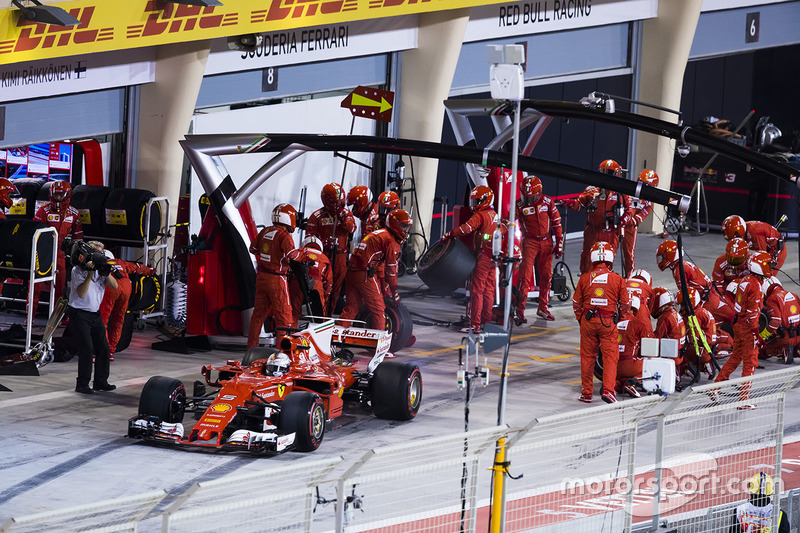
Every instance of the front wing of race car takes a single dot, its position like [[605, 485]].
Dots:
[[151, 429]]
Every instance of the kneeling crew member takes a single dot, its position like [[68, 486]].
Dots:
[[631, 333], [87, 287], [271, 247], [669, 323], [759, 236], [361, 285], [600, 298], [115, 300]]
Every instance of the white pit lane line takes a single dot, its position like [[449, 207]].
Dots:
[[70, 393]]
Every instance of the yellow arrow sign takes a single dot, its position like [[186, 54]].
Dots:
[[363, 100]]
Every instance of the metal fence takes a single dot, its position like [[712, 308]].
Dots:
[[653, 464]]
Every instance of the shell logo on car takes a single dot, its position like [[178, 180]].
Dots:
[[221, 408]]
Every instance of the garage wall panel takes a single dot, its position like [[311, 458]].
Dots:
[[310, 78], [64, 117], [550, 54], [723, 32]]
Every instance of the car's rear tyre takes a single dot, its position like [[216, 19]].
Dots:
[[259, 352], [303, 414], [399, 323], [396, 390], [164, 398]]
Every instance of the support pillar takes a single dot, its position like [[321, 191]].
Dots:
[[165, 113], [666, 42], [425, 81]]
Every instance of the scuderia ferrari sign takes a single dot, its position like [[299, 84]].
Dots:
[[124, 24]]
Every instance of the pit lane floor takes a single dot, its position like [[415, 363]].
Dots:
[[61, 449]]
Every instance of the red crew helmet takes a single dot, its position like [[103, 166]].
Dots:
[[609, 166], [667, 254], [649, 177], [481, 198], [602, 253], [759, 263], [388, 201], [60, 191], [399, 222], [736, 251], [332, 197], [531, 189], [285, 215], [360, 200], [7, 188], [662, 298], [734, 226]]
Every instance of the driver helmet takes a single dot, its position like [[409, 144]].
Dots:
[[278, 364]]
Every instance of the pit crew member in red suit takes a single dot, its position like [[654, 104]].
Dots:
[[333, 215], [271, 247], [759, 236], [669, 324], [388, 201], [640, 284], [631, 333], [606, 215], [319, 272], [540, 222], [67, 221], [730, 265], [667, 257], [639, 210], [360, 202], [600, 299], [749, 300], [115, 300], [6, 188], [362, 286], [708, 327], [481, 225], [783, 314]]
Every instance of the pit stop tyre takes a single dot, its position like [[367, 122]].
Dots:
[[399, 323], [163, 397], [396, 390], [259, 352], [303, 414], [446, 266], [564, 296]]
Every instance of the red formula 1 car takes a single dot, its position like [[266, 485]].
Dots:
[[277, 400]]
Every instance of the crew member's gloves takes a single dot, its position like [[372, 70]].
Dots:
[[559, 250], [396, 297], [447, 236], [572, 203]]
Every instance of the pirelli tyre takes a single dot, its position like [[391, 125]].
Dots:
[[90, 200], [399, 323], [303, 414], [16, 245], [259, 352], [446, 266], [396, 390], [163, 397]]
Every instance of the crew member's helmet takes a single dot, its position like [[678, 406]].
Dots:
[[636, 303], [734, 226], [760, 485], [285, 215], [278, 364], [481, 198], [649, 177], [332, 197], [662, 299], [531, 189], [388, 201], [312, 241], [759, 264], [667, 254], [770, 284], [60, 191], [609, 166], [7, 188], [360, 200], [602, 253], [643, 275], [694, 295], [399, 223], [736, 251]]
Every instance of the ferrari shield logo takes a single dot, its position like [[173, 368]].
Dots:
[[281, 390]]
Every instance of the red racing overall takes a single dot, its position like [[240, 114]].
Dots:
[[747, 307], [362, 286], [67, 223], [271, 247], [631, 333], [639, 210], [764, 237], [321, 224], [319, 271], [600, 293], [481, 225], [540, 222], [115, 301]]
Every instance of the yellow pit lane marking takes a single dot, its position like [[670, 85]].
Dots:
[[515, 337], [578, 382], [552, 357], [515, 366]]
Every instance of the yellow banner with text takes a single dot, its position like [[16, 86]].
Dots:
[[124, 24]]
